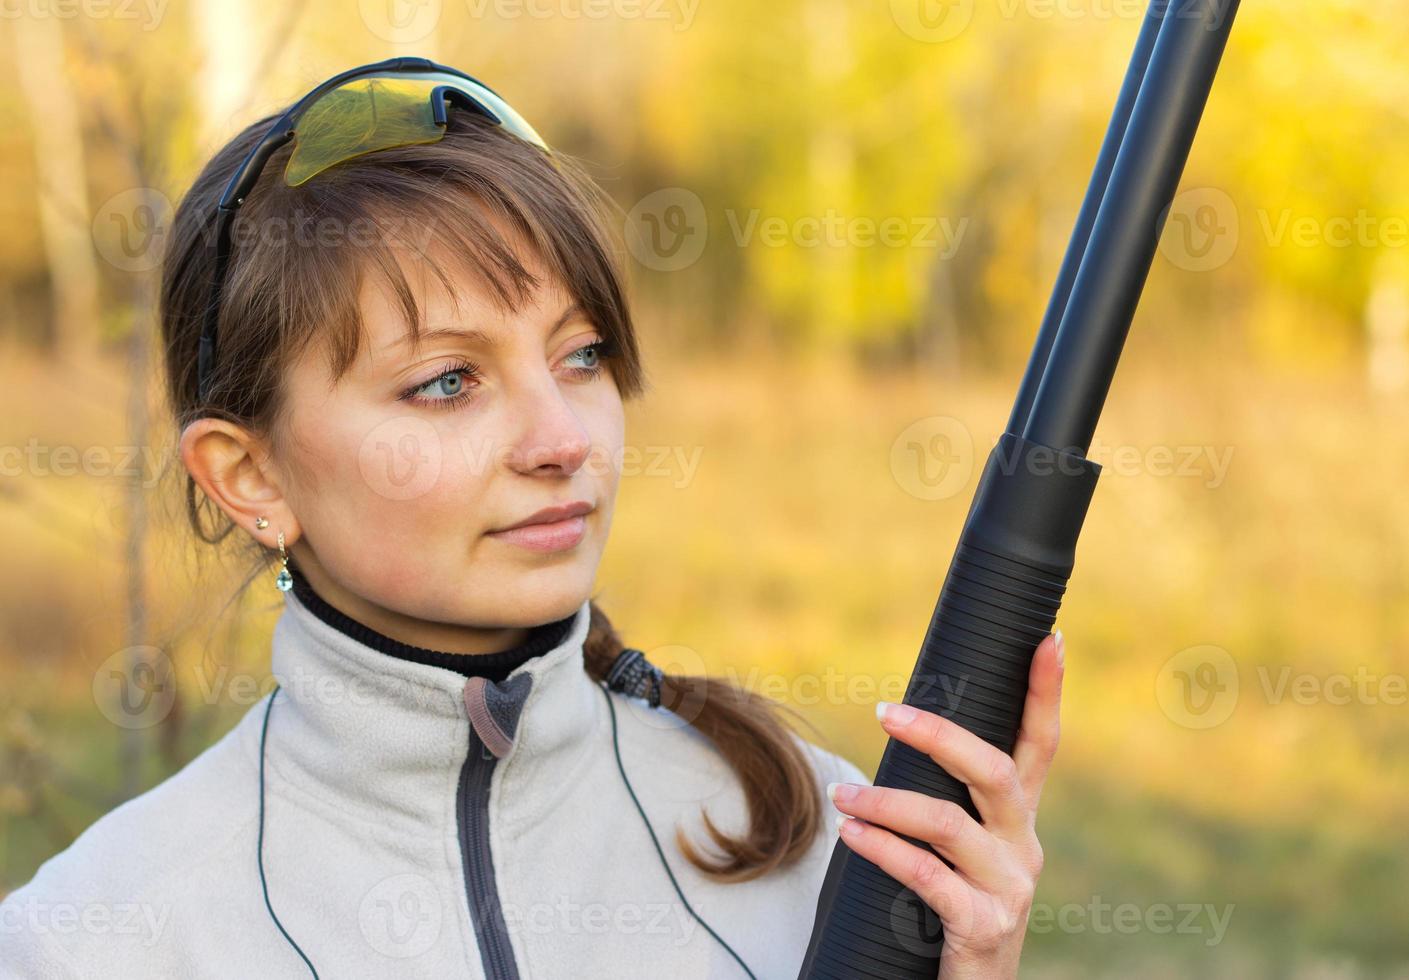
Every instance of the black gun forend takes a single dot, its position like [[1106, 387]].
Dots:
[[999, 600]]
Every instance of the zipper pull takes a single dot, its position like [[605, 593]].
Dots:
[[494, 741]]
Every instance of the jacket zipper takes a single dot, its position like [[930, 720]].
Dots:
[[472, 818]]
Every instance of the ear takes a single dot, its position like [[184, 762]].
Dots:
[[232, 467]]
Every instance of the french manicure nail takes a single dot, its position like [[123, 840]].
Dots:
[[847, 826], [841, 792], [1061, 649], [895, 714]]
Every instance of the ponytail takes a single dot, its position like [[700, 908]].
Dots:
[[780, 787]]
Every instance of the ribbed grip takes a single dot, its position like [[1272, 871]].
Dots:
[[973, 666], [999, 600]]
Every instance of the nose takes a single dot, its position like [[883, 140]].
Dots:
[[551, 437]]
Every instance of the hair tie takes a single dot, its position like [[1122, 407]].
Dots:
[[635, 676]]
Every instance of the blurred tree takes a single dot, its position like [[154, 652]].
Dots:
[[63, 191]]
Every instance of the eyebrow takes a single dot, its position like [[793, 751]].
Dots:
[[477, 336]]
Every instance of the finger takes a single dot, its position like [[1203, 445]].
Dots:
[[975, 853], [1041, 724], [918, 869], [988, 771]]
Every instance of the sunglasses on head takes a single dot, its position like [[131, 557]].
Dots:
[[398, 102]]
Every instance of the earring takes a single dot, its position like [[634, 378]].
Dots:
[[284, 581], [261, 523]]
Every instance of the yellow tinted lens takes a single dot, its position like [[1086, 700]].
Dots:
[[362, 116], [369, 114]]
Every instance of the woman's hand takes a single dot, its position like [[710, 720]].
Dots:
[[984, 900]]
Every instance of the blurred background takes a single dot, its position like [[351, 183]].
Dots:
[[843, 219]]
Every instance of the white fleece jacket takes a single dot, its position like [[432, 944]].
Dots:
[[420, 825]]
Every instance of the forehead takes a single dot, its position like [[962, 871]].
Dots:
[[445, 289]]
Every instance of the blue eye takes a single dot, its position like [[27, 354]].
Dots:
[[449, 387], [592, 354]]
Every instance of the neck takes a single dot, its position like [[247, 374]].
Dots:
[[493, 665], [448, 637]]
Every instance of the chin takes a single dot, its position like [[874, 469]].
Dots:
[[543, 595]]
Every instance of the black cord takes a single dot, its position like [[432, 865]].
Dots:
[[616, 747], [259, 848]]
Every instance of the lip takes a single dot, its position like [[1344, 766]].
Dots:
[[550, 515], [554, 528]]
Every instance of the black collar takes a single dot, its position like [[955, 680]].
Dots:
[[491, 666]]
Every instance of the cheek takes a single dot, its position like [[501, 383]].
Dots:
[[604, 418], [389, 500]]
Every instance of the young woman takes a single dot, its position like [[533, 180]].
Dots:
[[397, 350]]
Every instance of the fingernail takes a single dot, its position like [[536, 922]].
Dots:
[[1061, 649], [848, 826], [841, 792], [894, 714]]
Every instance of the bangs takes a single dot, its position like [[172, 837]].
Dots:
[[423, 238]]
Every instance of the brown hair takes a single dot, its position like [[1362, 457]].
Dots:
[[280, 295]]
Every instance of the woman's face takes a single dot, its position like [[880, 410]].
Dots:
[[403, 475]]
